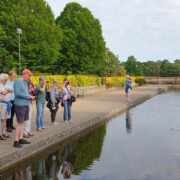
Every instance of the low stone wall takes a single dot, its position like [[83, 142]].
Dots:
[[163, 80], [82, 91]]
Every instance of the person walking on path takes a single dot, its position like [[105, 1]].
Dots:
[[41, 91], [27, 124], [66, 89], [55, 100], [5, 90], [21, 102], [10, 82], [128, 85]]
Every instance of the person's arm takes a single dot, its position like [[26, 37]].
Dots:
[[52, 95], [9, 89], [1, 97], [71, 88], [48, 89], [18, 89], [4, 92], [62, 88], [43, 88]]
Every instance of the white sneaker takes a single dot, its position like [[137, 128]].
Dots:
[[55, 123], [70, 121], [66, 121]]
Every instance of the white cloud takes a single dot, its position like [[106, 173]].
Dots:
[[148, 29]]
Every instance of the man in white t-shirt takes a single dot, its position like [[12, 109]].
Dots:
[[10, 82], [5, 102]]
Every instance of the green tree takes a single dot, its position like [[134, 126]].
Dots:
[[151, 68], [4, 56], [133, 67], [83, 46], [113, 65], [39, 40], [164, 71]]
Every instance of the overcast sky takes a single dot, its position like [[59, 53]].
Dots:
[[147, 29]]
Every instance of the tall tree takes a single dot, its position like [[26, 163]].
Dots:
[[40, 36], [113, 65], [83, 46], [133, 67]]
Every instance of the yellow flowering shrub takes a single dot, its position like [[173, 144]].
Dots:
[[85, 80]]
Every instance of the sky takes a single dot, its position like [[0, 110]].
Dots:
[[146, 29]]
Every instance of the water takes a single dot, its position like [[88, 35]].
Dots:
[[143, 143]]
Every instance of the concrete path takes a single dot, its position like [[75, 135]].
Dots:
[[86, 112]]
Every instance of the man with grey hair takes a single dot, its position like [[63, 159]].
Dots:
[[5, 90], [55, 100], [41, 91]]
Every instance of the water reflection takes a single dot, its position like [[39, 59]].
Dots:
[[70, 159], [28, 172], [41, 170], [67, 162], [128, 122], [150, 153], [19, 175]]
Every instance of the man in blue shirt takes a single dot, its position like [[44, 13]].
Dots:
[[10, 82], [21, 106], [128, 85]]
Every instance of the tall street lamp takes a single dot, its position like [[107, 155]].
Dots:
[[19, 31], [136, 69]]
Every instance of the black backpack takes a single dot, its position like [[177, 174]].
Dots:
[[47, 96]]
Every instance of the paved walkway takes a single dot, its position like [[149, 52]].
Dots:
[[85, 112]]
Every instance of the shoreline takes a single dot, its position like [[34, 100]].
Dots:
[[59, 134]]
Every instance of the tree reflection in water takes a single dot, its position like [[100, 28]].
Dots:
[[73, 158]]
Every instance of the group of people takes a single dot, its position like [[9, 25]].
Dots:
[[17, 97]]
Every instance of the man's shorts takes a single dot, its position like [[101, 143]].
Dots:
[[4, 113], [126, 89], [22, 113]]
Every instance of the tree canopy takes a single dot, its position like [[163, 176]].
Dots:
[[39, 39], [113, 65], [162, 68], [83, 47]]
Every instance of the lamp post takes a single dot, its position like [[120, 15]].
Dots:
[[19, 31], [136, 69]]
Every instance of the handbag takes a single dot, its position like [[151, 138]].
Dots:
[[72, 98]]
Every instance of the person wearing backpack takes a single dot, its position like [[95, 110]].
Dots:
[[41, 92], [54, 100]]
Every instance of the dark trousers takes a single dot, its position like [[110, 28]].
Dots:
[[53, 113], [9, 122]]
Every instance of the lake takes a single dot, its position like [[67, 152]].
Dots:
[[142, 143]]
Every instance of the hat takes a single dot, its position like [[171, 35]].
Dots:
[[42, 78], [27, 71]]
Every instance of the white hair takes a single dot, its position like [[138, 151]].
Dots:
[[2, 76]]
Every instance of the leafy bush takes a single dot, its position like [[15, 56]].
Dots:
[[88, 80], [140, 81]]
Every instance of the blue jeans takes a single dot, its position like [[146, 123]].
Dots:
[[40, 114], [67, 110]]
